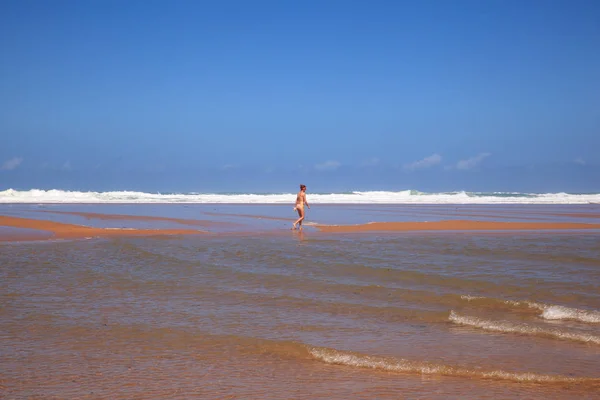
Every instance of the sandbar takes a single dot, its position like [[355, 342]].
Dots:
[[122, 217], [457, 225], [69, 231]]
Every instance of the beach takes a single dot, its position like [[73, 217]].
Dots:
[[299, 200], [435, 301]]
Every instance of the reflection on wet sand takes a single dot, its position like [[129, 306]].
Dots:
[[457, 225], [126, 217], [69, 231]]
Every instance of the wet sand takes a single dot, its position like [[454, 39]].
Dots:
[[367, 218], [69, 231], [123, 217], [247, 216], [457, 225], [12, 234], [252, 310]]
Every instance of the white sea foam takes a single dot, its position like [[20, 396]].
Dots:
[[523, 329], [560, 312], [372, 197], [515, 303], [468, 297], [331, 356], [549, 312]]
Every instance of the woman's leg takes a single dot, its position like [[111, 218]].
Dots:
[[300, 215]]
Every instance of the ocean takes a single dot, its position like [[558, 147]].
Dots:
[[253, 310]]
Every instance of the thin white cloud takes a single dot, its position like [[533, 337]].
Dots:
[[66, 166], [579, 161], [371, 162], [11, 164], [472, 162], [328, 166], [426, 162], [228, 167]]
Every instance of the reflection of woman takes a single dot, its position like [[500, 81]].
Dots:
[[300, 202]]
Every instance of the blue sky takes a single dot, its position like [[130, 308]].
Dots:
[[240, 95]]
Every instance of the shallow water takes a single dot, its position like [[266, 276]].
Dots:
[[302, 315]]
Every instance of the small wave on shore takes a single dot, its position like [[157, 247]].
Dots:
[[331, 356], [549, 311], [521, 328]]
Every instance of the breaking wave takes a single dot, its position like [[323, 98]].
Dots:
[[523, 329], [331, 356], [549, 312], [356, 197]]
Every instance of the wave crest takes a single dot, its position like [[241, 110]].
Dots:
[[367, 197], [336, 357], [524, 329], [549, 312], [560, 312]]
